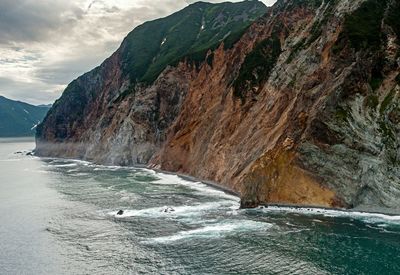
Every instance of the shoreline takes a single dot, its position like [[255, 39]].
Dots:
[[361, 209], [227, 190], [312, 208], [213, 184]]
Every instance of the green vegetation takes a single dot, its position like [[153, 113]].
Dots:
[[386, 131], [123, 95], [386, 102], [197, 58], [398, 79], [18, 118], [363, 28], [189, 33], [257, 65], [372, 101], [376, 82], [316, 29], [342, 114], [305, 3], [77, 98], [376, 73], [210, 59], [234, 37], [392, 18], [298, 47]]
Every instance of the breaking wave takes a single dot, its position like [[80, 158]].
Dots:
[[214, 231], [363, 216], [177, 211]]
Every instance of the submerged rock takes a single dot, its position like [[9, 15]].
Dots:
[[168, 210]]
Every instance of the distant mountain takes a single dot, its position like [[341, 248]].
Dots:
[[18, 118]]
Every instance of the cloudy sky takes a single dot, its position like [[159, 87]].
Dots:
[[44, 44]]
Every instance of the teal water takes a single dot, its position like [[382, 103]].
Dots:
[[59, 217]]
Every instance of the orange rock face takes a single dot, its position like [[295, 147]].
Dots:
[[219, 137], [256, 145], [306, 126]]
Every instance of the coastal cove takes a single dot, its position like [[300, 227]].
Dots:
[[59, 216]]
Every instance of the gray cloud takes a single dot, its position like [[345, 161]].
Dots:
[[26, 20], [46, 44], [23, 91]]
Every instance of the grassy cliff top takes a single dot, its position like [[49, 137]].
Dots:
[[150, 47]]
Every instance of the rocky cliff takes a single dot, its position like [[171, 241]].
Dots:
[[301, 107]]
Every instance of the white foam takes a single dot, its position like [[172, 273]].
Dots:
[[65, 165], [148, 171], [110, 167], [179, 211], [364, 216], [214, 231], [75, 162], [106, 168], [84, 162], [168, 179], [202, 188], [58, 160]]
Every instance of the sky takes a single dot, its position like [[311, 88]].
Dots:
[[45, 44]]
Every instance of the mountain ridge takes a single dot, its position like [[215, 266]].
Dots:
[[18, 118]]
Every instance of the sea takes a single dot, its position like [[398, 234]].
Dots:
[[60, 216]]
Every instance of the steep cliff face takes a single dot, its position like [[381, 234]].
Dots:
[[119, 112], [302, 109]]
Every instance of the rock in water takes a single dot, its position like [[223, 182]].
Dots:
[[120, 212], [168, 210]]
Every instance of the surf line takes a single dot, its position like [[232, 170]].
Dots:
[[186, 177], [326, 210], [189, 178]]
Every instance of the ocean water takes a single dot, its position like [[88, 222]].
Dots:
[[59, 217]]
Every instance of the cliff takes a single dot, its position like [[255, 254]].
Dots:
[[301, 107]]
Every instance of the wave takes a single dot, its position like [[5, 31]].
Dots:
[[163, 178], [106, 168], [54, 161], [363, 216], [65, 165], [214, 231], [204, 189], [178, 211]]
